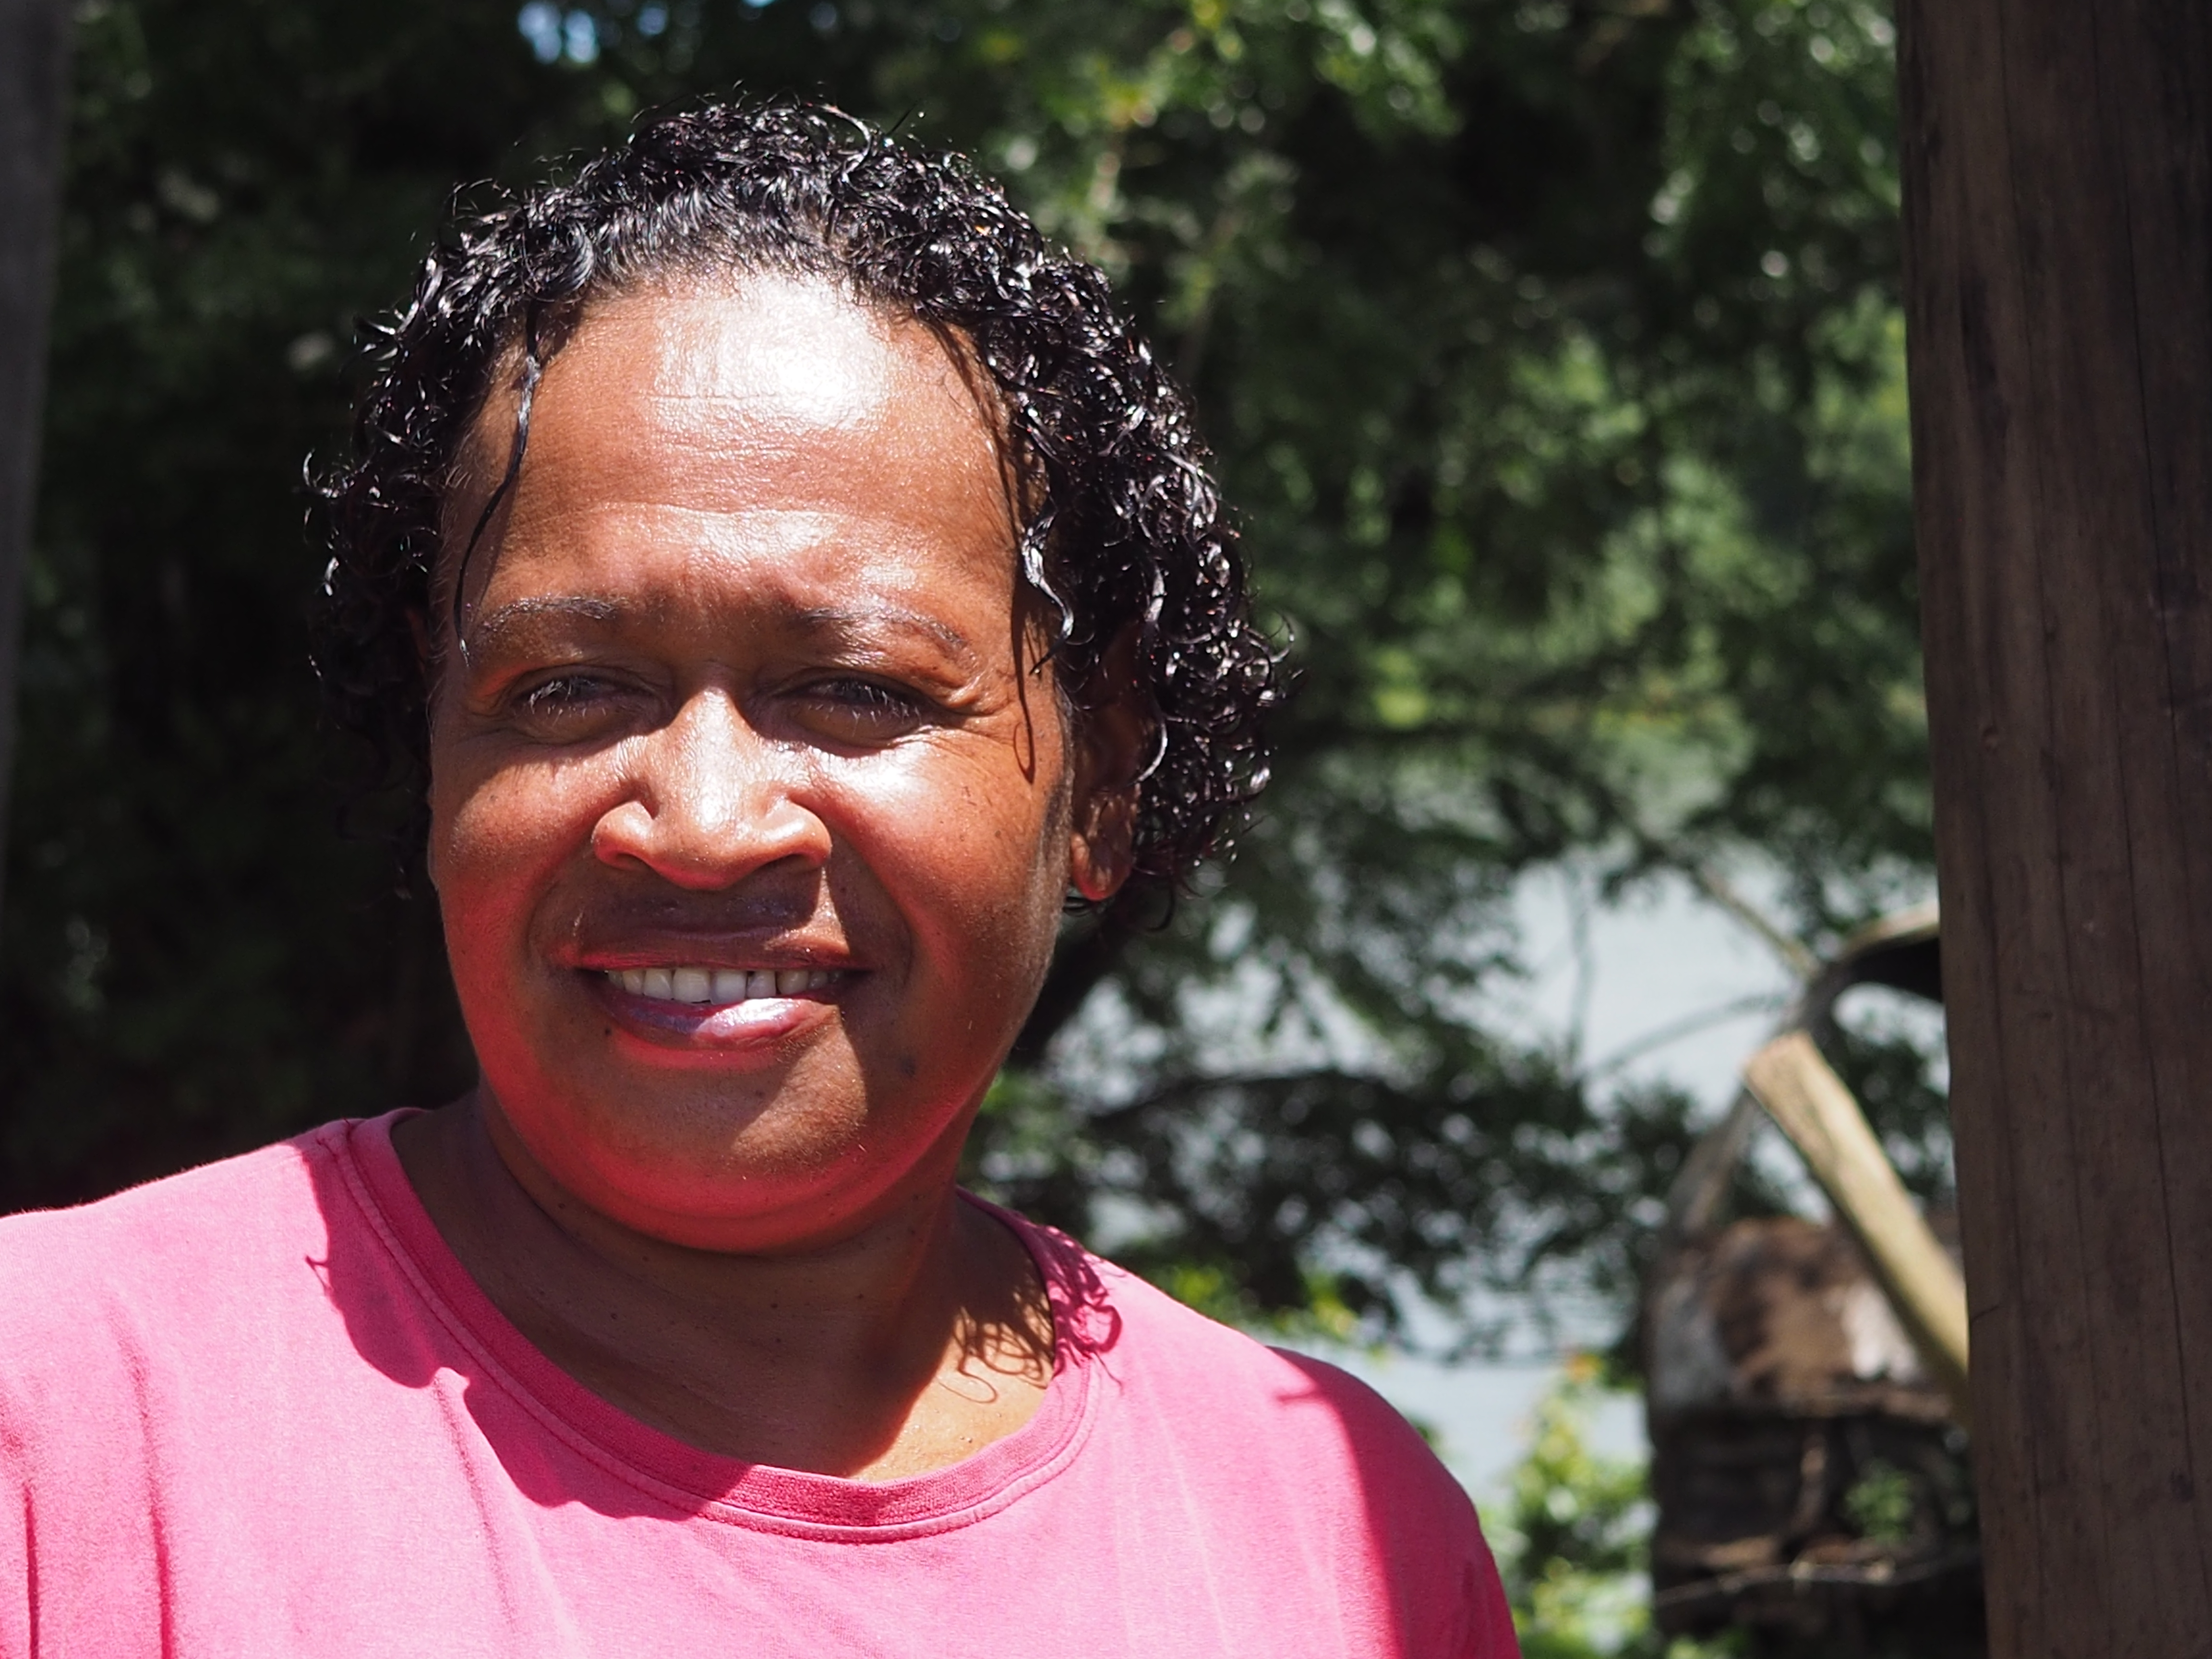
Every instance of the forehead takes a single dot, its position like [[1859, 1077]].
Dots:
[[768, 423]]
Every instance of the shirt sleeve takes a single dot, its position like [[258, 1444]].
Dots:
[[1489, 1633]]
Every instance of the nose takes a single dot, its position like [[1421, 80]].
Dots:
[[711, 803]]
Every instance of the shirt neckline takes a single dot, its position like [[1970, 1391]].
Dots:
[[756, 1495]]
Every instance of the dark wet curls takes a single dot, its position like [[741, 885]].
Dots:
[[1125, 525]]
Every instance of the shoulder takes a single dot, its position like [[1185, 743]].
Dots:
[[170, 1252], [1203, 1384], [1310, 1406], [160, 1226], [1281, 1458]]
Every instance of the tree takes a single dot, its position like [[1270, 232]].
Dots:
[[1552, 353]]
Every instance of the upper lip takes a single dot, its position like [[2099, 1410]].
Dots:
[[663, 950]]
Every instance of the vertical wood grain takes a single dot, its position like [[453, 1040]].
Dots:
[[2059, 311]]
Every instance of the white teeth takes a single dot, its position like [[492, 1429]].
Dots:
[[719, 984]]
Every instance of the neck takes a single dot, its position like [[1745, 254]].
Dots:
[[899, 1346]]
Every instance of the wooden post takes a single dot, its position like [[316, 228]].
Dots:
[[2058, 274], [33, 88]]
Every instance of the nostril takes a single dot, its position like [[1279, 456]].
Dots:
[[626, 832]]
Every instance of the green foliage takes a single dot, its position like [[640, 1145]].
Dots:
[[1551, 354], [1562, 394], [1572, 1540], [1893, 1069], [1883, 1503]]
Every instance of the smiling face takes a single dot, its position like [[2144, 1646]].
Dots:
[[752, 811]]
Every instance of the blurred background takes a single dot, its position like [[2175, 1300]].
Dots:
[[1552, 355]]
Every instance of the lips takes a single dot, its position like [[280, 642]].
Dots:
[[708, 1012]]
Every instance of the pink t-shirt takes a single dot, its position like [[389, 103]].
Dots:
[[261, 1409]]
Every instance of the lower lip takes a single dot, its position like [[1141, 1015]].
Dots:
[[731, 1027]]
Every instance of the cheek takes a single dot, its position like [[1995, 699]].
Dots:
[[972, 849], [499, 833]]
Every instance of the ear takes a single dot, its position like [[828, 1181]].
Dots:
[[1113, 734]]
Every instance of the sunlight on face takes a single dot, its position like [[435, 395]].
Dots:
[[750, 801], [798, 375]]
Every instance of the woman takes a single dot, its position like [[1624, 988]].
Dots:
[[795, 582]]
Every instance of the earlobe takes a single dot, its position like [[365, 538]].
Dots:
[[1101, 849]]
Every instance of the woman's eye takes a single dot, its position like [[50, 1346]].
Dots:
[[858, 711], [566, 701]]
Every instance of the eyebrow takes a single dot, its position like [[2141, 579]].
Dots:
[[846, 619], [487, 628], [517, 617]]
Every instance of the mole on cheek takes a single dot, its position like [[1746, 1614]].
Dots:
[[909, 1066]]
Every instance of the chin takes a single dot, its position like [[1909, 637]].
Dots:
[[719, 1171]]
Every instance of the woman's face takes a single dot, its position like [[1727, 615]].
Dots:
[[752, 811]]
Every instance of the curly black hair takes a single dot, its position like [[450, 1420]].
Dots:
[[1124, 526]]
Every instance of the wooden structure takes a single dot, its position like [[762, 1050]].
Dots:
[[34, 41], [1811, 1490], [1918, 1277], [1808, 1461], [2057, 165]]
